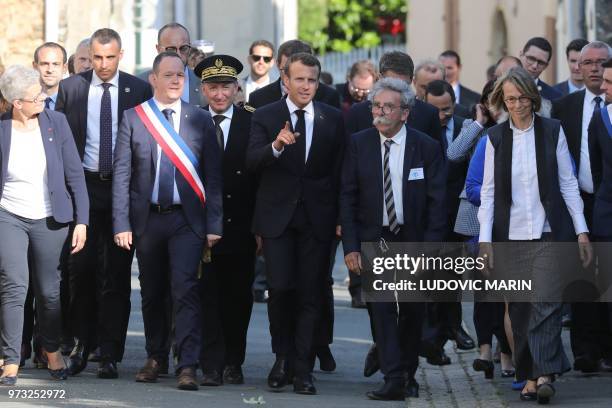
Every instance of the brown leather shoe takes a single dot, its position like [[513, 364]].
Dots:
[[149, 372], [187, 379]]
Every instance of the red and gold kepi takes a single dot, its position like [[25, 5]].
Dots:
[[218, 68]]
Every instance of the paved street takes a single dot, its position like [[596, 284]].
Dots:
[[452, 386]]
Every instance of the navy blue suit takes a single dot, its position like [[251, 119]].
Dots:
[[562, 88], [296, 213], [169, 245], [272, 93], [600, 151], [548, 92], [361, 209]]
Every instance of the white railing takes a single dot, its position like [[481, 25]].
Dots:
[[338, 63]]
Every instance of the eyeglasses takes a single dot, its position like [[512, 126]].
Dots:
[[37, 99], [359, 90], [260, 57], [183, 49], [385, 109], [524, 100], [589, 63], [534, 61]]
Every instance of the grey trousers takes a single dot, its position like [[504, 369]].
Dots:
[[45, 237]]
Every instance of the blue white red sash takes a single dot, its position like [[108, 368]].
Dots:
[[172, 145], [605, 116]]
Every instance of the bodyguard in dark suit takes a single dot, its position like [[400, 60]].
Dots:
[[160, 209], [535, 56], [393, 183], [575, 112], [227, 299], [94, 102], [575, 82], [296, 148], [276, 90]]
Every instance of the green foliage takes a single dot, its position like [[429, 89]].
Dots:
[[313, 22]]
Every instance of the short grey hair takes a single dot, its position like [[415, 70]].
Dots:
[[596, 45], [16, 80], [407, 96], [84, 43], [430, 65]]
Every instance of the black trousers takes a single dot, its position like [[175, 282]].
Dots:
[[489, 322], [297, 265], [100, 280], [324, 334], [227, 302], [169, 251]]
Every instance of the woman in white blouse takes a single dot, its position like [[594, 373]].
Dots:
[[530, 197], [42, 191]]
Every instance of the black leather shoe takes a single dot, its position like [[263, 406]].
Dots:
[[278, 376], [585, 364], [528, 396], [78, 359], [545, 392], [303, 385], [605, 364], [439, 359], [371, 362], [107, 369], [484, 365], [412, 389], [390, 391], [259, 296], [187, 379], [462, 339], [233, 375], [326, 359], [211, 378], [59, 374]]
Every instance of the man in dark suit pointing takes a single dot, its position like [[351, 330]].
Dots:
[[168, 209]]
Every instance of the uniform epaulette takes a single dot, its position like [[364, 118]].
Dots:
[[248, 108]]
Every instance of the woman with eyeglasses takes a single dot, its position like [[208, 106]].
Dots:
[[42, 191], [530, 199]]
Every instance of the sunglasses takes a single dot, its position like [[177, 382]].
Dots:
[[183, 49], [259, 57]]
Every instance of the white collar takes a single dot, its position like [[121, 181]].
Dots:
[[175, 106], [519, 131], [589, 96], [229, 113], [397, 138], [292, 107], [96, 81]]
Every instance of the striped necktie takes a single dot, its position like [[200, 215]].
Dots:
[[388, 188]]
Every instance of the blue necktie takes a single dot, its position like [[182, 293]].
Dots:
[[165, 194], [48, 102], [597, 101], [105, 164]]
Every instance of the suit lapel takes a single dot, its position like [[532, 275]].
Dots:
[[409, 153], [48, 137], [123, 95], [83, 101]]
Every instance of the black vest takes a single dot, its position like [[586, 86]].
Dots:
[[546, 138]]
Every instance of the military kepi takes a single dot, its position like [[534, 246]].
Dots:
[[218, 68]]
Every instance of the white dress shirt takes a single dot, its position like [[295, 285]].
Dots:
[[308, 118], [94, 103], [585, 178], [176, 119], [457, 90], [225, 125], [186, 89], [527, 215], [396, 169], [251, 86], [25, 190]]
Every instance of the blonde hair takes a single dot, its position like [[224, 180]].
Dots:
[[520, 78]]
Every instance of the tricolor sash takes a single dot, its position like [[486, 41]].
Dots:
[[172, 145], [605, 116]]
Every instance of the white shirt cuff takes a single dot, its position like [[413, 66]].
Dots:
[[277, 153]]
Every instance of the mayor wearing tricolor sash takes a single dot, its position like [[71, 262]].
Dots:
[[167, 203]]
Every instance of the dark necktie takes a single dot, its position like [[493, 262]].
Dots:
[[597, 101], [165, 193], [300, 127], [388, 188], [105, 164], [218, 119], [48, 102]]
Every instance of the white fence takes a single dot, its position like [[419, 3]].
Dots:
[[338, 63]]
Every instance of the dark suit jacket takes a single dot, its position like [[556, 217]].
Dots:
[[600, 151], [548, 92], [65, 178], [134, 166], [423, 117], [239, 187], [361, 197], [285, 181], [72, 101], [467, 97], [272, 93], [568, 110], [562, 88]]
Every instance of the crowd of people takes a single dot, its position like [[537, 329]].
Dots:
[[231, 189]]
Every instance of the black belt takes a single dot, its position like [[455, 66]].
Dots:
[[94, 175], [156, 208]]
